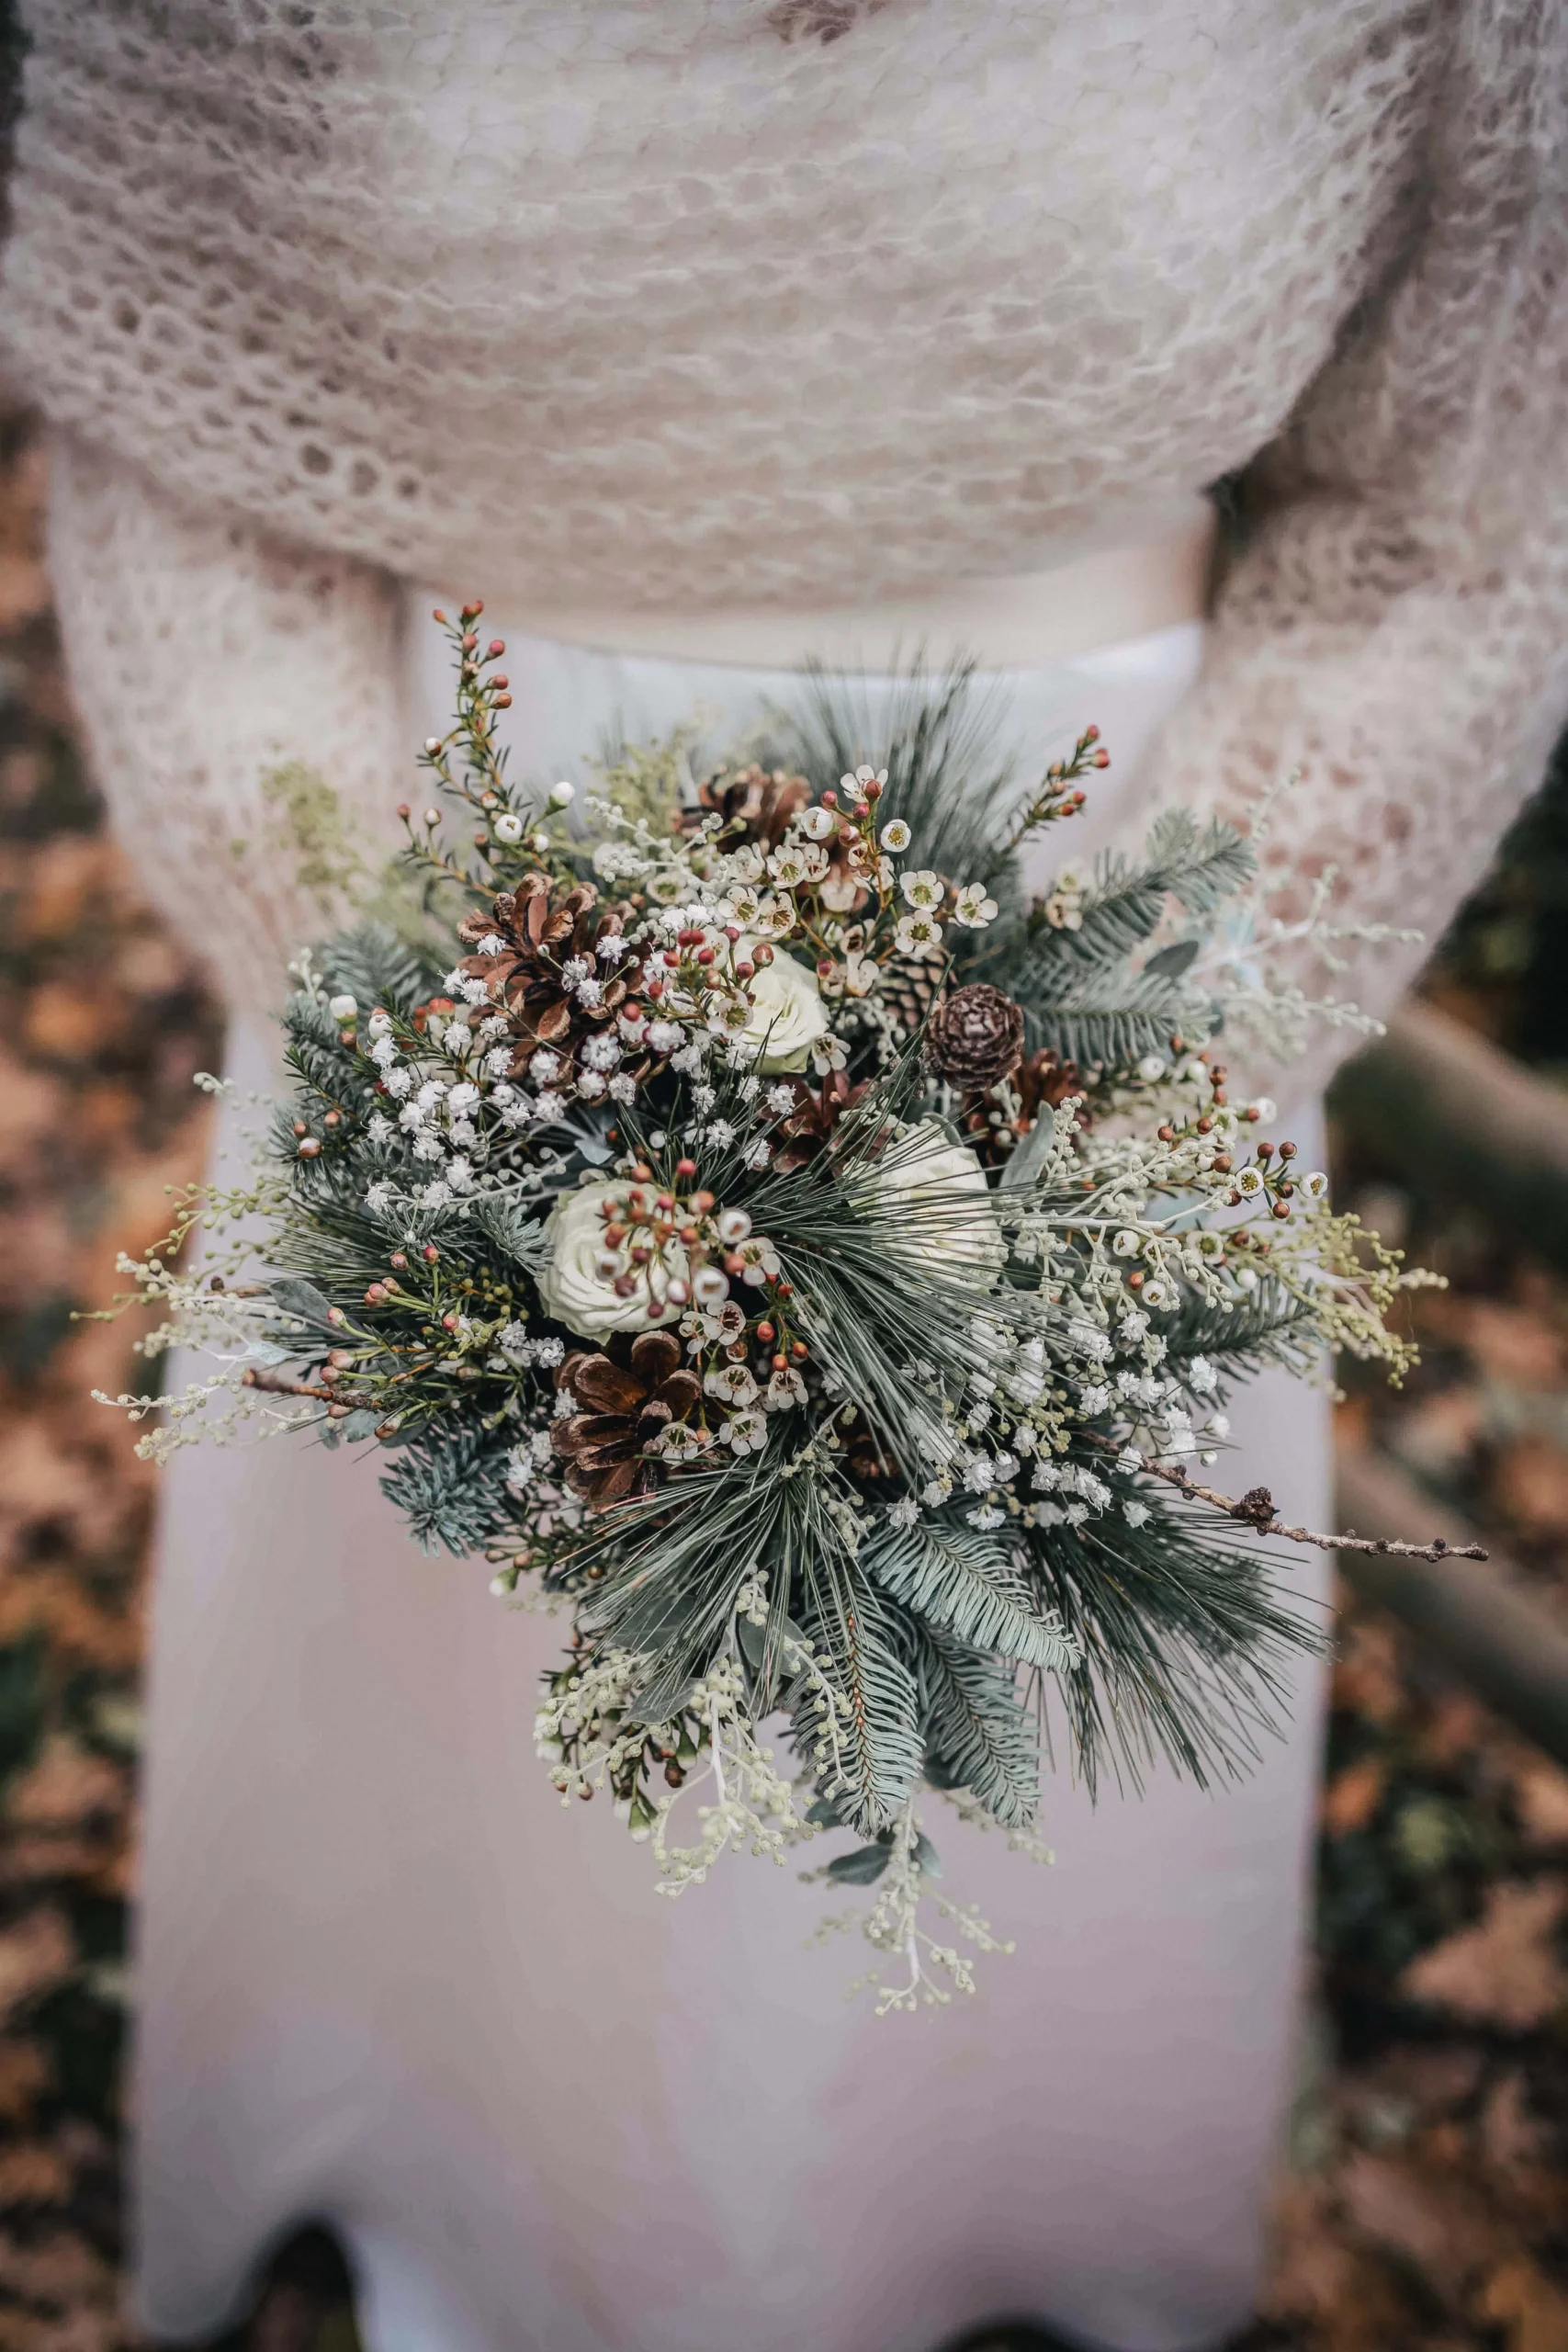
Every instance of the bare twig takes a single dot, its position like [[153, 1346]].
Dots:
[[276, 1386], [1255, 1509]]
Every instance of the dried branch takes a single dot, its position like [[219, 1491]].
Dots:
[[274, 1385], [1255, 1509]]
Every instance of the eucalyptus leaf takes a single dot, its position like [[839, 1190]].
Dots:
[[1171, 962], [297, 1296], [928, 1861], [864, 1867], [1023, 1168]]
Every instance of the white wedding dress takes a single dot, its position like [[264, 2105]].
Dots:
[[742, 303], [384, 1977]]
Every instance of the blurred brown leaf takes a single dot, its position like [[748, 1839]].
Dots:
[[1504, 1970], [1531, 1481], [67, 1786], [1519, 2299], [1512, 1344], [1540, 1794], [35, 1954], [1354, 1795]]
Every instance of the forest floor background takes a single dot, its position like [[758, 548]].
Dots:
[[1422, 2201]]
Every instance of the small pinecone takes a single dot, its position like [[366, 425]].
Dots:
[[906, 988], [976, 1035], [1257, 1505]]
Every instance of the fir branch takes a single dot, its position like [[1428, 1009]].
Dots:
[[979, 1735], [967, 1586], [882, 1749], [451, 1489]]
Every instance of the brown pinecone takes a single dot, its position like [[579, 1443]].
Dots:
[[906, 988], [808, 1128], [976, 1035], [757, 804], [625, 1405], [1043, 1080], [1040, 1083], [539, 933]]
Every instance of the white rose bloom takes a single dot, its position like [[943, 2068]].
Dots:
[[787, 1015], [939, 1193], [571, 1286]]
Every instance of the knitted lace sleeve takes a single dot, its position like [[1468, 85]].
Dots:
[[1395, 626], [222, 679]]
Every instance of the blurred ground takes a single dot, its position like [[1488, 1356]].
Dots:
[[1425, 2201]]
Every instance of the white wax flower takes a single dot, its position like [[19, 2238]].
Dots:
[[577, 1294], [939, 1188], [787, 1014]]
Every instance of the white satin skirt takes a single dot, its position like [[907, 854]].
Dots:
[[383, 1977]]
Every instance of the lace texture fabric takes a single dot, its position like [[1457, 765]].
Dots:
[[721, 302]]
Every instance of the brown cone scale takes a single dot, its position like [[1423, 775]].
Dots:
[[976, 1035]]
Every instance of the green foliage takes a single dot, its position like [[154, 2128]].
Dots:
[[967, 1584], [648, 782], [1268, 1325], [948, 777], [1185, 1639], [882, 1747], [979, 1735], [377, 965], [670, 1595], [451, 1489], [1079, 989]]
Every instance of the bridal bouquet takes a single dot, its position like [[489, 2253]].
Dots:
[[767, 1234]]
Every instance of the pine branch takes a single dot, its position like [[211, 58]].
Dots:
[[1183, 1641], [1269, 1326]]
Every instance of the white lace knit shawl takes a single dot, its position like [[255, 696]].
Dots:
[[717, 301]]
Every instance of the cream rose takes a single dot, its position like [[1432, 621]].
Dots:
[[787, 1014], [579, 1294], [938, 1191]]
